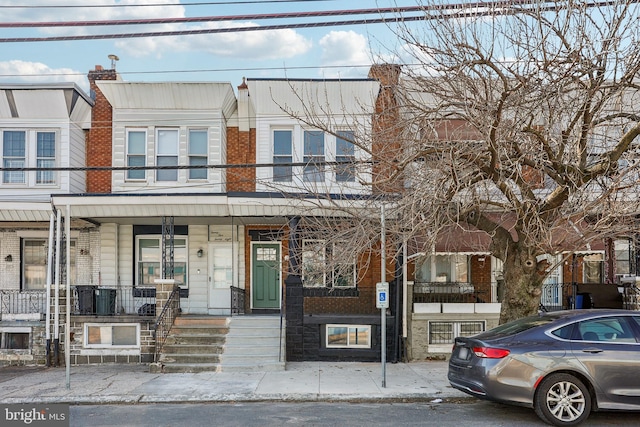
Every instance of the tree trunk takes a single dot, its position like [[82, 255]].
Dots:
[[523, 284]]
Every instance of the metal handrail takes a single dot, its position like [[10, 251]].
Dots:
[[165, 320], [237, 300]]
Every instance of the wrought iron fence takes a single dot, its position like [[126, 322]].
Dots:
[[112, 301], [449, 292], [16, 303], [237, 300]]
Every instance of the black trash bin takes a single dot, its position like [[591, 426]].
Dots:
[[105, 302], [86, 299]]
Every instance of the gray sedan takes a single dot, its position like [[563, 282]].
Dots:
[[563, 364]]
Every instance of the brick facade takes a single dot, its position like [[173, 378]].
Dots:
[[241, 150], [99, 140]]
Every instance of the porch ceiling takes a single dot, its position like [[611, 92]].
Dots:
[[25, 211], [195, 208]]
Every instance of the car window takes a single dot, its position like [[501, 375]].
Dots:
[[606, 329], [516, 326], [565, 332]]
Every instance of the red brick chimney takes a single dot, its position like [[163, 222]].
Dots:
[[241, 146], [99, 142], [386, 128]]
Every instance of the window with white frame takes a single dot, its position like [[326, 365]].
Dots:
[[446, 332], [326, 265], [314, 156], [136, 153], [623, 250], [444, 268], [29, 148], [345, 157], [34, 263], [282, 155], [348, 336], [149, 260], [45, 157], [14, 155], [167, 154], [105, 335], [198, 147]]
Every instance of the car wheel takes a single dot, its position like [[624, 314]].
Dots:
[[562, 400]]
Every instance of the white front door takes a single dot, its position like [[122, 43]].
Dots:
[[220, 277]]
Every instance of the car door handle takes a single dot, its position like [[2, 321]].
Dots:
[[592, 350]]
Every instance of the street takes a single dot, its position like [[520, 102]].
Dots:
[[467, 412]]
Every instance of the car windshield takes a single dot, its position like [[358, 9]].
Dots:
[[516, 326]]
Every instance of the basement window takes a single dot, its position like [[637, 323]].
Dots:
[[446, 332], [14, 338], [348, 336], [105, 335]]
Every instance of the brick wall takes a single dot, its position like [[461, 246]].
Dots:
[[241, 149], [387, 128], [99, 141], [9, 245]]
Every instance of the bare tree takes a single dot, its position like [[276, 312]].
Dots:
[[517, 121], [520, 121]]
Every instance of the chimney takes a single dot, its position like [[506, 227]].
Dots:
[[99, 142], [387, 128]]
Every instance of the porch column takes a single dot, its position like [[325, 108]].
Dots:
[[164, 287], [294, 297]]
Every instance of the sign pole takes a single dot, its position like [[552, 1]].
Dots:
[[383, 308]]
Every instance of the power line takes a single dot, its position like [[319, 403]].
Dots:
[[206, 30], [449, 11], [110, 6], [219, 18]]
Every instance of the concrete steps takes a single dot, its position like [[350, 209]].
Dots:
[[254, 343], [194, 344], [214, 344]]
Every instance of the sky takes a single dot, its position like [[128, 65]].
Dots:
[[343, 51]]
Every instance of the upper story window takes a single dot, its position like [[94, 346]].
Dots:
[[198, 148], [14, 156], [167, 154], [345, 156], [136, 152], [283, 154], [22, 149], [45, 157], [315, 149], [314, 156]]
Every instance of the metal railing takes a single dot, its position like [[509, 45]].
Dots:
[[237, 300], [448, 292], [18, 304], [112, 301], [165, 321]]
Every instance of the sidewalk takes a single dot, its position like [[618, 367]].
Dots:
[[301, 381]]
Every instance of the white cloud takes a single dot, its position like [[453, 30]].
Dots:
[[36, 72], [343, 49], [258, 45]]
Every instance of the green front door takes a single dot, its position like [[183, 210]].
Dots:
[[265, 289]]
